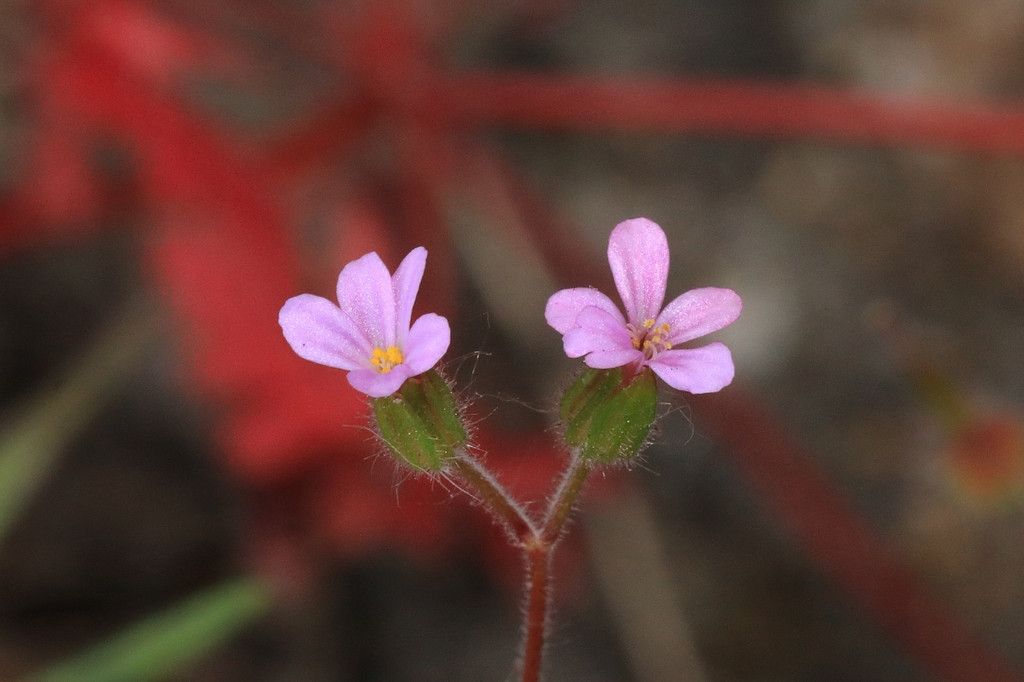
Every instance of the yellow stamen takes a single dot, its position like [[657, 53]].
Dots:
[[385, 360], [648, 338]]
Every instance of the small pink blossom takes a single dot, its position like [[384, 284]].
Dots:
[[648, 336], [368, 332]]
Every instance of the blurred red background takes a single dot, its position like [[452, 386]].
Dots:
[[851, 169]]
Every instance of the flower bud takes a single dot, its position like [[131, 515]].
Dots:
[[420, 422], [608, 418]]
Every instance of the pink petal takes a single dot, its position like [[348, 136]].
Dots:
[[317, 330], [427, 342], [596, 330], [379, 384], [638, 255], [365, 294], [607, 359], [699, 312], [696, 370], [406, 284], [565, 306]]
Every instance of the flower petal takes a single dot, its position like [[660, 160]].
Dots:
[[428, 340], [379, 384], [565, 306], [638, 255], [317, 330], [365, 294], [596, 330], [607, 359], [698, 370], [699, 312], [406, 284]]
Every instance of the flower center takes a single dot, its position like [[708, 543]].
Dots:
[[650, 339], [385, 360]]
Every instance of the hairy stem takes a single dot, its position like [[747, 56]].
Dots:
[[537, 542], [538, 549], [538, 561], [493, 497], [565, 497]]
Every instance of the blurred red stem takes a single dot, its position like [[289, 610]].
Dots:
[[324, 137], [774, 110]]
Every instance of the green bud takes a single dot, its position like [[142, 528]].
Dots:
[[420, 423], [609, 418]]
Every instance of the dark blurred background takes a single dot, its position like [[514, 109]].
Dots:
[[173, 171]]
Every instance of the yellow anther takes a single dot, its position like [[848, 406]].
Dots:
[[385, 360], [649, 338]]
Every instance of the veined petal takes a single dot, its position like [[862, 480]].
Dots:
[[596, 330], [426, 343], [317, 330], [379, 384], [697, 370], [699, 312], [406, 284], [638, 255], [365, 294], [565, 306]]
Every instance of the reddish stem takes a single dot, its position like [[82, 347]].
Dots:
[[538, 560], [537, 543], [538, 549]]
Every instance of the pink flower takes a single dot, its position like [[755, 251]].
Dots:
[[369, 334], [648, 336]]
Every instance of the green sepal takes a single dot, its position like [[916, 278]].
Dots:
[[608, 417], [420, 423]]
